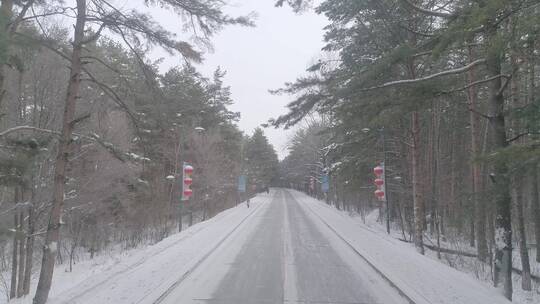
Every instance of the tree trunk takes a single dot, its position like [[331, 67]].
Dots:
[[432, 169], [472, 235], [452, 194], [53, 229], [22, 252], [497, 122], [14, 258], [523, 253], [435, 146], [418, 199], [485, 181], [535, 203], [535, 200], [517, 185], [400, 214], [479, 206], [72, 255], [6, 14], [29, 249]]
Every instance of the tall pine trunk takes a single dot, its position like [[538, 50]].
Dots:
[[14, 257], [53, 229], [6, 14], [29, 249], [517, 185], [22, 252], [523, 253], [435, 147], [418, 199], [535, 200], [499, 177], [535, 203], [479, 206]]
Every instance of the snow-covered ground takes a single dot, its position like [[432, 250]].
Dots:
[[423, 276], [143, 274], [470, 265]]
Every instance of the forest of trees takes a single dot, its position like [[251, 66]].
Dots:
[[93, 135], [448, 92]]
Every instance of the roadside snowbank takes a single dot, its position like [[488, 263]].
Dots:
[[470, 265], [141, 275], [423, 279]]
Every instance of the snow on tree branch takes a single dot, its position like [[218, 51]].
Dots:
[[433, 76]]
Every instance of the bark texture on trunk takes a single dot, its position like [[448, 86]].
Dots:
[[22, 252], [14, 258], [479, 205], [517, 186], [418, 199], [53, 229], [435, 147], [535, 204], [6, 14], [29, 250], [535, 200], [523, 253], [499, 176]]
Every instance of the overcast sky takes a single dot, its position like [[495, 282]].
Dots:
[[278, 49]]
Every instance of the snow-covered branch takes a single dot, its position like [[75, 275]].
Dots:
[[120, 155], [472, 84], [430, 77], [27, 128], [41, 130]]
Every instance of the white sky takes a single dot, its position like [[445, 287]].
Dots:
[[278, 49]]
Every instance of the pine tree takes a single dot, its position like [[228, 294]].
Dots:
[[397, 58], [262, 161]]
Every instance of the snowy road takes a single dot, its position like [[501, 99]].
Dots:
[[287, 248], [283, 254]]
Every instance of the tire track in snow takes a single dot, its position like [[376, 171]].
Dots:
[[134, 266], [186, 274], [129, 268], [410, 298]]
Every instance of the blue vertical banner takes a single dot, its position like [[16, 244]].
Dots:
[[242, 181], [325, 183]]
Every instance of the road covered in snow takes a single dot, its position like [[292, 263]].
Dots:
[[283, 255], [286, 248]]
